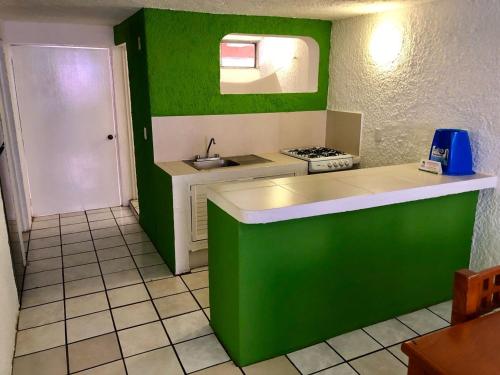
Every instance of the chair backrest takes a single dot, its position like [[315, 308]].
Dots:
[[475, 294]]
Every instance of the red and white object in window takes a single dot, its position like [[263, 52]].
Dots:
[[238, 55]]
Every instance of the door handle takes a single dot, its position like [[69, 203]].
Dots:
[[110, 136]]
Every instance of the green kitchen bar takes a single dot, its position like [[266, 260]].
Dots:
[[295, 261]]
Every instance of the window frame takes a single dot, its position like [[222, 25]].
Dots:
[[255, 60]]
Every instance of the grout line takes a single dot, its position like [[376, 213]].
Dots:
[[439, 316], [107, 299], [64, 303], [156, 310]]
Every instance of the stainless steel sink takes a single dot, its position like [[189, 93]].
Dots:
[[217, 162], [210, 164]]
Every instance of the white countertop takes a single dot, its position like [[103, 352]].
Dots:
[[320, 194], [179, 168]]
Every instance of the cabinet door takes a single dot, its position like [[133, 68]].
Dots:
[[199, 215]]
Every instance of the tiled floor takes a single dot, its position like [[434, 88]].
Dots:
[[98, 299]]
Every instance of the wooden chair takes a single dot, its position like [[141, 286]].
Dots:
[[475, 294]]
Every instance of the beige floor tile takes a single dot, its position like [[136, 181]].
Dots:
[[48, 252], [79, 259], [123, 278], [104, 243], [423, 321], [145, 260], [379, 363], [43, 265], [131, 228], [157, 272], [40, 338], [46, 217], [105, 232], [41, 243], [202, 296], [128, 295], [40, 315], [157, 362], [86, 304], [72, 214], [228, 368], [48, 362], [396, 350], [45, 278], [166, 287], [175, 305], [126, 220], [75, 228], [276, 366], [113, 253], [201, 353], [196, 280], [42, 224], [442, 309], [108, 223], [39, 296], [98, 210], [122, 212], [136, 237], [117, 265], [314, 358], [142, 338], [113, 368], [88, 326], [390, 332], [83, 286], [135, 314], [343, 369], [100, 216], [199, 269], [79, 247], [207, 312], [187, 326], [81, 272], [42, 233], [354, 344], [76, 219], [93, 352], [76, 237], [142, 248]]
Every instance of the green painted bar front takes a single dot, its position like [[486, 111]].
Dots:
[[279, 287]]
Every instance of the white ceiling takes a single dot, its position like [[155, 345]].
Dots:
[[112, 12]]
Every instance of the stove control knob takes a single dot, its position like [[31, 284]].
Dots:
[[329, 165], [335, 164]]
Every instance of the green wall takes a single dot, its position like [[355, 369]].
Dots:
[[176, 72], [183, 63], [279, 287]]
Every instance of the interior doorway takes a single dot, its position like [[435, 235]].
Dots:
[[67, 118]]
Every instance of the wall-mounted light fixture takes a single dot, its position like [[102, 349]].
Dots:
[[386, 44]]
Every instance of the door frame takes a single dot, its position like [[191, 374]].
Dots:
[[12, 131], [122, 125], [123, 117]]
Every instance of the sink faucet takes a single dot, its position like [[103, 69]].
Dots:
[[212, 141]]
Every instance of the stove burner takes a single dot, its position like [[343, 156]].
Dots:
[[316, 152]]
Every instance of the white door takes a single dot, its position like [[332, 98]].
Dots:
[[66, 111]]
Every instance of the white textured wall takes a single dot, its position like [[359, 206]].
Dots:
[[448, 76]]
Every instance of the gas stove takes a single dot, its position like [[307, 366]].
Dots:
[[321, 159]]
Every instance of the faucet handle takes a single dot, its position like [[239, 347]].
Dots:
[[216, 155]]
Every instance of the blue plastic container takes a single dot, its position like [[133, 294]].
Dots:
[[452, 148]]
